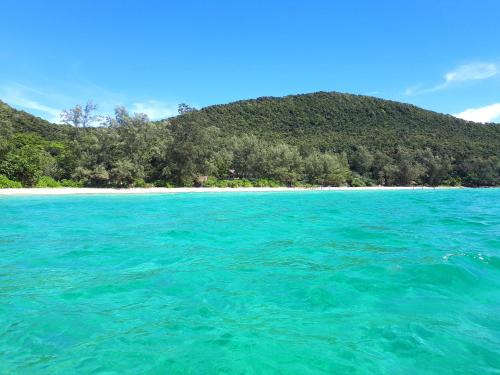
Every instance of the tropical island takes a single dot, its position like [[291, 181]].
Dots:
[[319, 139], [249, 187]]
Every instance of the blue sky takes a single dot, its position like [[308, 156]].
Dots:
[[151, 55]]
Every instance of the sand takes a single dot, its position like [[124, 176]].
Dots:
[[89, 191]]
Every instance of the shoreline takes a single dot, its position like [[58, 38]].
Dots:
[[157, 190]]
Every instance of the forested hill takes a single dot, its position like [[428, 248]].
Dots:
[[340, 122], [23, 122], [320, 139]]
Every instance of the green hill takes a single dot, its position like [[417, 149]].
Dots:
[[320, 138], [22, 122], [340, 122]]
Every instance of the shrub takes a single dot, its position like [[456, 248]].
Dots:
[[214, 182], [161, 184], [357, 182], [263, 182], [246, 183], [305, 185], [211, 182], [360, 181], [453, 181], [5, 183], [71, 183], [233, 183], [47, 182], [139, 182]]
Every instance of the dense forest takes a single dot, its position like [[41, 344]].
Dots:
[[312, 139]]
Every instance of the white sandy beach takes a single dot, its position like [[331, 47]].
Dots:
[[86, 191]]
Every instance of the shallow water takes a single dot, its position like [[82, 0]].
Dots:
[[395, 282]]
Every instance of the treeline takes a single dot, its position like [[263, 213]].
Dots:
[[129, 150]]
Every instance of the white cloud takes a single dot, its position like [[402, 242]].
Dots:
[[39, 102], [18, 96], [463, 73], [489, 113], [472, 72], [31, 104], [154, 109]]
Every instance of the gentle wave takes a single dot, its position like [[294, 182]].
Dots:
[[389, 282]]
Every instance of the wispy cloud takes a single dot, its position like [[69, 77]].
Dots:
[[489, 113], [463, 73], [471, 72], [49, 104], [155, 110], [19, 96]]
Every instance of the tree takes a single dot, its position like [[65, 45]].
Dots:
[[98, 176], [284, 163], [268, 138], [183, 108], [481, 171], [326, 169], [388, 175], [124, 173], [383, 169], [27, 164], [410, 170], [361, 160], [80, 117], [6, 133], [437, 168], [249, 156], [194, 152]]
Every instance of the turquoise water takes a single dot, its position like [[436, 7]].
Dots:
[[394, 282]]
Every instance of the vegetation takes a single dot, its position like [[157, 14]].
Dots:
[[5, 183], [315, 139]]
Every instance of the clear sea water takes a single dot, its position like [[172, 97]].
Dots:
[[374, 282]]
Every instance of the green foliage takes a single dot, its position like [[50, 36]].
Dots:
[[47, 182], [341, 123], [326, 169], [214, 182], [211, 182], [139, 182], [264, 182], [315, 139], [98, 176], [6, 183], [124, 173], [162, 183], [284, 164], [359, 181], [22, 122], [452, 181], [481, 172], [71, 183], [436, 168], [27, 161], [249, 156], [382, 139], [362, 160], [304, 185]]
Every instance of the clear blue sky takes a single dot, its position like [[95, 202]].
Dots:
[[150, 55]]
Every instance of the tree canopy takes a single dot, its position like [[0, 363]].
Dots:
[[322, 139]]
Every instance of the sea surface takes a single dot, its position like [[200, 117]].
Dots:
[[342, 282]]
